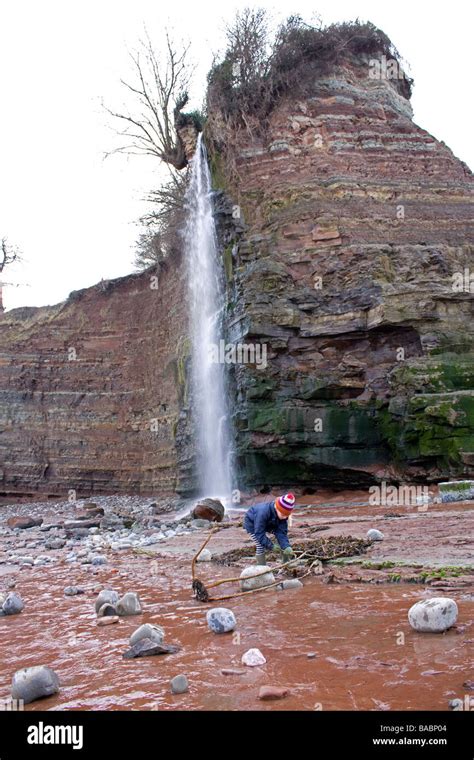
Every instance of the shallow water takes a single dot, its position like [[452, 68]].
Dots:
[[355, 631]]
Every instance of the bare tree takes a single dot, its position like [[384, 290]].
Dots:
[[159, 93], [149, 250], [167, 200], [162, 222], [8, 253]]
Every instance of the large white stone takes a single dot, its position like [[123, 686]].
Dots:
[[433, 615], [264, 578], [375, 535], [253, 658]]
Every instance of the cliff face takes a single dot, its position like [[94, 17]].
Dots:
[[357, 220], [90, 390]]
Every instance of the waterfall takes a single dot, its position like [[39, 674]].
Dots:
[[207, 303]]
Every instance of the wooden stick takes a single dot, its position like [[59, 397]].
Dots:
[[193, 563], [257, 575], [254, 590]]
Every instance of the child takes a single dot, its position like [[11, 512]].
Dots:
[[271, 517]]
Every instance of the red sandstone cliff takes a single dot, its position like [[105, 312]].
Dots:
[[89, 395]]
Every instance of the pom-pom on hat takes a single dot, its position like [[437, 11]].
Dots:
[[285, 503]]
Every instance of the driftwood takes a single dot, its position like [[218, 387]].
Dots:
[[201, 590]]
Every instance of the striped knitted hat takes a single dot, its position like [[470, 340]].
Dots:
[[285, 503]]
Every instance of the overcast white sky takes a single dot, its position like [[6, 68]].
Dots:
[[72, 213]]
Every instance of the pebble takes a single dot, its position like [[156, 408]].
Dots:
[[221, 620], [99, 560], [272, 692], [106, 595], [34, 683], [179, 685], [232, 672], [264, 579], [55, 543], [375, 535], [73, 591], [433, 615], [205, 556], [148, 631], [129, 604], [109, 620], [253, 658]]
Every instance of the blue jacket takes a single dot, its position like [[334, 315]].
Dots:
[[261, 519]]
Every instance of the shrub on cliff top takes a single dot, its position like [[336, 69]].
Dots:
[[257, 69]]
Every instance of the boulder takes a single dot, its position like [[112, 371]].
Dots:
[[375, 535], [13, 604], [34, 683], [433, 615], [129, 604], [290, 583], [221, 620], [22, 523], [253, 658], [106, 595], [264, 576], [179, 685], [148, 631], [209, 509], [148, 648]]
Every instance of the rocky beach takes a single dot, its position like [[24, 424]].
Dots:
[[352, 646]]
